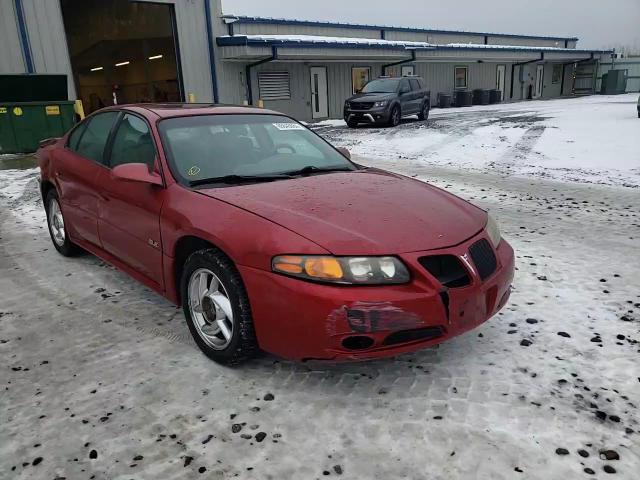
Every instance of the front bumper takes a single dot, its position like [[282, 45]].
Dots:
[[303, 320], [373, 115]]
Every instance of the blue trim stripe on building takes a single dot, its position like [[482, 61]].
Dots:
[[242, 40], [212, 55], [24, 37], [313, 23]]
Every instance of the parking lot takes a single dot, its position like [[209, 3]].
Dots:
[[102, 380]]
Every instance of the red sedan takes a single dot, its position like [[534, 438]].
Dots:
[[269, 237]]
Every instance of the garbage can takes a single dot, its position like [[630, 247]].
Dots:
[[444, 100], [480, 96], [24, 124], [495, 96], [464, 98]]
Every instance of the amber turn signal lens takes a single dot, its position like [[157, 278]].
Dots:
[[288, 264], [323, 267]]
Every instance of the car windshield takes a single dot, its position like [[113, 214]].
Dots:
[[381, 85], [214, 146]]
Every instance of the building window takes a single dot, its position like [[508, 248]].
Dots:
[[461, 77], [557, 74], [274, 85], [407, 70], [359, 76]]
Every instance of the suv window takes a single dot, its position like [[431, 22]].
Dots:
[[404, 86], [95, 136], [415, 84], [133, 143], [72, 141]]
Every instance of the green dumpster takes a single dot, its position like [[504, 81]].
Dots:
[[24, 124]]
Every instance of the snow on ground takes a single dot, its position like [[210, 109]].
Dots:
[[102, 380], [592, 139]]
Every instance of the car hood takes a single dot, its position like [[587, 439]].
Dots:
[[371, 97], [365, 212]]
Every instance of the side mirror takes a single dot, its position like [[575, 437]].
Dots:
[[344, 151], [136, 172]]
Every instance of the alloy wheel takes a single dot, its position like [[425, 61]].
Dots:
[[56, 222], [210, 308]]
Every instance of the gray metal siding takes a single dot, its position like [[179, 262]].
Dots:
[[274, 29], [48, 40], [631, 65], [441, 38], [526, 42], [11, 60]]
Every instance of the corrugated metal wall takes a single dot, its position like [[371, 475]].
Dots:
[[438, 76], [48, 40], [631, 65], [526, 42], [11, 60], [276, 29]]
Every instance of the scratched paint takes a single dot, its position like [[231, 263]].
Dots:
[[371, 317]]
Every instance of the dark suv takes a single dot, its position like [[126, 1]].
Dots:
[[386, 100]]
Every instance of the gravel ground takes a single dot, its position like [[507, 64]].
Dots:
[[100, 378]]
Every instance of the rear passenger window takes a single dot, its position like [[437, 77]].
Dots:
[[415, 85], [133, 143], [72, 142], [95, 137]]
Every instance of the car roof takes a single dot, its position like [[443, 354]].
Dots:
[[167, 110]]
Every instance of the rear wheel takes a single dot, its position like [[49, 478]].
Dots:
[[394, 118], [57, 229], [424, 112], [216, 307]]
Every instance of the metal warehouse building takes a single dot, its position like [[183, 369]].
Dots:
[[189, 50]]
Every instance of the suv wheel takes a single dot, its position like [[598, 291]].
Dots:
[[352, 124], [56, 224], [424, 113], [394, 118], [217, 309]]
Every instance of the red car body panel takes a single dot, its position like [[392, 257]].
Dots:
[[138, 227], [368, 211]]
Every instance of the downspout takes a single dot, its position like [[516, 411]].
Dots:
[[24, 37], [212, 55], [247, 71], [514, 65], [401, 62]]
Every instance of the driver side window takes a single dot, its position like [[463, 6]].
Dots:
[[133, 143]]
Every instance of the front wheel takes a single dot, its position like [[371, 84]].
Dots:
[[352, 124], [424, 112], [394, 118], [57, 229], [217, 309]]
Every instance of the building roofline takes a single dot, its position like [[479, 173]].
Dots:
[[338, 42], [316, 23]]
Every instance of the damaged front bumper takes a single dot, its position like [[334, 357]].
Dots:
[[303, 320]]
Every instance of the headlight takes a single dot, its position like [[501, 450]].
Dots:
[[493, 231], [380, 104], [343, 270], [347, 104]]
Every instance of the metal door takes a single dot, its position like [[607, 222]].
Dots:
[[319, 95], [500, 80]]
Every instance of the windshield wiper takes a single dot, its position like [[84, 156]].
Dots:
[[230, 179], [313, 169]]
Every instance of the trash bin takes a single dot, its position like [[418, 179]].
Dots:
[[464, 98], [480, 96], [495, 96], [444, 100], [24, 124]]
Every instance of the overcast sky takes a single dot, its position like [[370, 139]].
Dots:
[[598, 23]]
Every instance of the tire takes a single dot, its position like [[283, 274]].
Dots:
[[220, 320], [424, 112], [351, 124], [394, 117], [56, 225]]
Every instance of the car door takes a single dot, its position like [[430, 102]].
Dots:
[[76, 172], [417, 94], [404, 92], [129, 212]]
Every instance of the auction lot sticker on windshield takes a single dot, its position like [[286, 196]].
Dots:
[[288, 126]]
